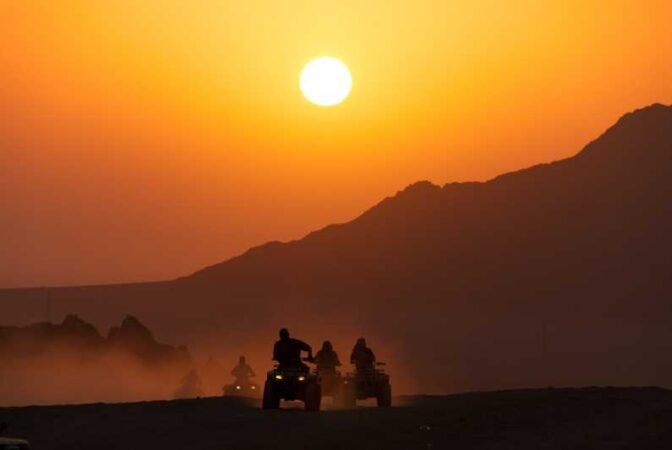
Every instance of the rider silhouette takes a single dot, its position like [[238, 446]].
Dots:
[[242, 372], [287, 351], [327, 359], [362, 356]]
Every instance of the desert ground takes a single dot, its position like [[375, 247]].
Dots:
[[587, 418]]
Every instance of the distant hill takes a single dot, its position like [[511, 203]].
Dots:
[[556, 274], [72, 362], [82, 338]]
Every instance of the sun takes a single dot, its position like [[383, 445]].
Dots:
[[326, 81]]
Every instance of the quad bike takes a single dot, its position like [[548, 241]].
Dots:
[[368, 383], [241, 389], [292, 383], [334, 386]]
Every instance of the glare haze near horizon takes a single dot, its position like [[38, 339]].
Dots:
[[146, 139]]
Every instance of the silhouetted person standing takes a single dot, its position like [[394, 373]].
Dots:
[[362, 356], [243, 372], [327, 359], [287, 351]]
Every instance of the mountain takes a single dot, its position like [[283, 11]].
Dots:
[[71, 362], [556, 274], [82, 339]]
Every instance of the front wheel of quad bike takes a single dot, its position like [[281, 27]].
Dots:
[[313, 397], [385, 396], [270, 400]]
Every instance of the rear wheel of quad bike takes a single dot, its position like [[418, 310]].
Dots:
[[385, 396], [270, 400], [313, 397], [348, 396], [339, 397]]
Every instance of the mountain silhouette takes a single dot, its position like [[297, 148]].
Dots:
[[82, 339], [555, 274], [71, 362]]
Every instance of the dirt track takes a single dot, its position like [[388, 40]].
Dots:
[[591, 418]]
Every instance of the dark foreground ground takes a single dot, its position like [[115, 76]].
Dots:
[[590, 418]]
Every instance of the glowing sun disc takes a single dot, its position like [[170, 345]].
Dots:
[[325, 81]]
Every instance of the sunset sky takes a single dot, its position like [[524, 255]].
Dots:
[[145, 139]]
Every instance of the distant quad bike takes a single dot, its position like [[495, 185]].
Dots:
[[369, 383], [295, 383], [240, 389]]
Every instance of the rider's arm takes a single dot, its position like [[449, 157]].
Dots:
[[306, 348]]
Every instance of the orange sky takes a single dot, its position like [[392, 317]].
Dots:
[[144, 139]]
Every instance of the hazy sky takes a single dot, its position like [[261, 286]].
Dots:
[[144, 139]]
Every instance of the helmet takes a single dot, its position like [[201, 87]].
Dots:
[[326, 346], [284, 333], [241, 359]]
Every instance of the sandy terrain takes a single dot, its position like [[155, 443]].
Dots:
[[591, 418]]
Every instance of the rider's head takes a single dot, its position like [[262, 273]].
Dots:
[[326, 346], [284, 333], [361, 342], [241, 360]]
